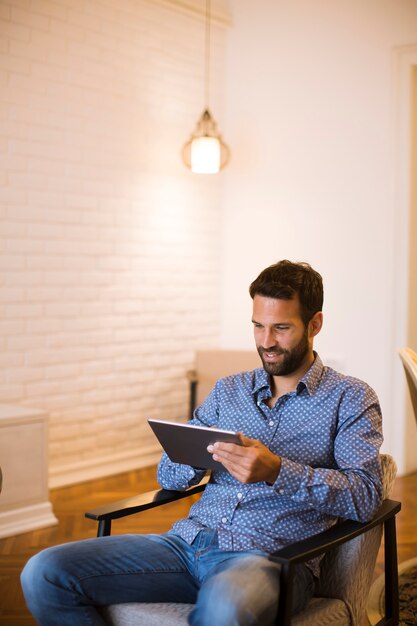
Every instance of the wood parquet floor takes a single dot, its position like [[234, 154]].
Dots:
[[70, 503]]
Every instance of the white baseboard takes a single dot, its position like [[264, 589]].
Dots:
[[99, 467], [25, 519]]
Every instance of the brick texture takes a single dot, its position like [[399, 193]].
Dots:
[[110, 248]]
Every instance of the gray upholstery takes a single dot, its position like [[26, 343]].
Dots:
[[156, 614], [340, 598], [323, 611]]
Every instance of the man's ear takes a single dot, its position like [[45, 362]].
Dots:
[[315, 324]]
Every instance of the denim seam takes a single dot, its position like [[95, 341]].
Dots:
[[134, 572]]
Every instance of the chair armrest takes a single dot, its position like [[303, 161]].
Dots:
[[342, 532], [331, 538], [128, 506]]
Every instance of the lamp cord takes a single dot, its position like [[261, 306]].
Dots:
[[207, 51]]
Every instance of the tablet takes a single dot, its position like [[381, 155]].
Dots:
[[186, 443]]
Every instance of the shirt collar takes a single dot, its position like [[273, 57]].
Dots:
[[312, 377], [309, 381]]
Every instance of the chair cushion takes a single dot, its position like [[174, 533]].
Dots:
[[320, 612], [147, 614]]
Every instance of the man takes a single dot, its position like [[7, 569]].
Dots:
[[310, 455]]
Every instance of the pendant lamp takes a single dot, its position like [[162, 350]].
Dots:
[[205, 152]]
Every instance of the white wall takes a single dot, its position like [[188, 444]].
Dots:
[[310, 93], [110, 250]]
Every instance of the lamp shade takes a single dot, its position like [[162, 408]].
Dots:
[[205, 152]]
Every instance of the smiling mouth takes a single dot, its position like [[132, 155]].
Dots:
[[272, 354]]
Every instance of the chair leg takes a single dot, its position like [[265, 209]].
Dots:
[[104, 528], [391, 573], [285, 595], [193, 398]]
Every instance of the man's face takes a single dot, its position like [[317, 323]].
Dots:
[[283, 342]]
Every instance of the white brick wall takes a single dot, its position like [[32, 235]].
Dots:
[[110, 250]]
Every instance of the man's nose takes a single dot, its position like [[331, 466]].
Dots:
[[268, 340]]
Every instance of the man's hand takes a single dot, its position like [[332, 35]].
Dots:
[[251, 462]]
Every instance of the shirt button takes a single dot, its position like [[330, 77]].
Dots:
[[224, 520], [281, 491], [240, 495], [271, 423]]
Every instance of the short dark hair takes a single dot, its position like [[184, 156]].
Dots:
[[285, 280]]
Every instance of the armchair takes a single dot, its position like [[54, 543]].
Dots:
[[340, 598]]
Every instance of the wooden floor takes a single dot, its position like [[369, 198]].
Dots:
[[70, 503]]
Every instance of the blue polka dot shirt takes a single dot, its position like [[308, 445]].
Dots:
[[327, 432]]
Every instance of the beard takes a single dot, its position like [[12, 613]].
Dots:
[[292, 359]]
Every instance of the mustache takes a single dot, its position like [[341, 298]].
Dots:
[[271, 350]]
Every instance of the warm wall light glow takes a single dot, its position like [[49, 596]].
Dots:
[[205, 155]]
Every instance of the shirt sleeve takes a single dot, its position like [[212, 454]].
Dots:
[[353, 487], [177, 476]]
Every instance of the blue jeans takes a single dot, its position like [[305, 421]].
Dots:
[[65, 584]]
